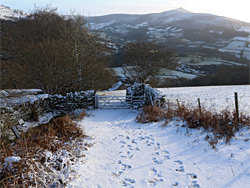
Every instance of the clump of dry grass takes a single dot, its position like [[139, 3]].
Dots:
[[223, 125], [150, 114], [36, 168], [78, 116]]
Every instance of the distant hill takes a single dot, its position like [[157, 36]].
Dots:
[[180, 29], [6, 13]]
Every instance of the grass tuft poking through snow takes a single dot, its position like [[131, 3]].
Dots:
[[223, 124], [46, 154]]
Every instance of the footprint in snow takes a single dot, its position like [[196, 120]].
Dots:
[[122, 142], [192, 175], [152, 171], [116, 174], [178, 162], [133, 141], [175, 184], [127, 182], [156, 153], [150, 138], [124, 166], [156, 160], [129, 154], [141, 138], [194, 184], [179, 168], [166, 154], [152, 182], [137, 149]]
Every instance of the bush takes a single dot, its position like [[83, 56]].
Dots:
[[150, 114]]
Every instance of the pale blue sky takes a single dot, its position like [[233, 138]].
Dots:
[[238, 9]]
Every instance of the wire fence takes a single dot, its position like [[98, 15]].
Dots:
[[214, 104]]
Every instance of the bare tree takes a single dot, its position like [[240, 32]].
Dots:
[[54, 53], [147, 59]]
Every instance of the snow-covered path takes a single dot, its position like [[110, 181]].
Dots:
[[128, 154]]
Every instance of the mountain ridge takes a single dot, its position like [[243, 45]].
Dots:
[[179, 29], [7, 13], [178, 10]]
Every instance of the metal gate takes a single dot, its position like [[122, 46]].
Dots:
[[119, 102]]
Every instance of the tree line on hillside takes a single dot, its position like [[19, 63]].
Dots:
[[224, 75], [59, 54]]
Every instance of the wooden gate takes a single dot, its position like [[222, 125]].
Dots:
[[119, 102]]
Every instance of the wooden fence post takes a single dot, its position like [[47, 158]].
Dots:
[[96, 101], [13, 128], [159, 103], [178, 103], [199, 103], [236, 106]]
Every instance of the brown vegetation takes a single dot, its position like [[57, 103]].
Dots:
[[61, 137], [55, 53], [223, 125]]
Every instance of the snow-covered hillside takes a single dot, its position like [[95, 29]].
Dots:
[[129, 154], [6, 13], [123, 73], [179, 29]]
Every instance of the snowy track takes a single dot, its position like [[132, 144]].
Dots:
[[127, 154]]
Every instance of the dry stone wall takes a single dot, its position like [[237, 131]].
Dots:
[[14, 111], [151, 95]]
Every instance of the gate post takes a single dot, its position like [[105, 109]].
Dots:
[[96, 101]]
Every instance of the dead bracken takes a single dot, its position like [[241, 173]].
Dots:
[[45, 155], [223, 125]]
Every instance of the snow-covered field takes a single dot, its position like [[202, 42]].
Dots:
[[130, 154], [124, 73], [213, 98]]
